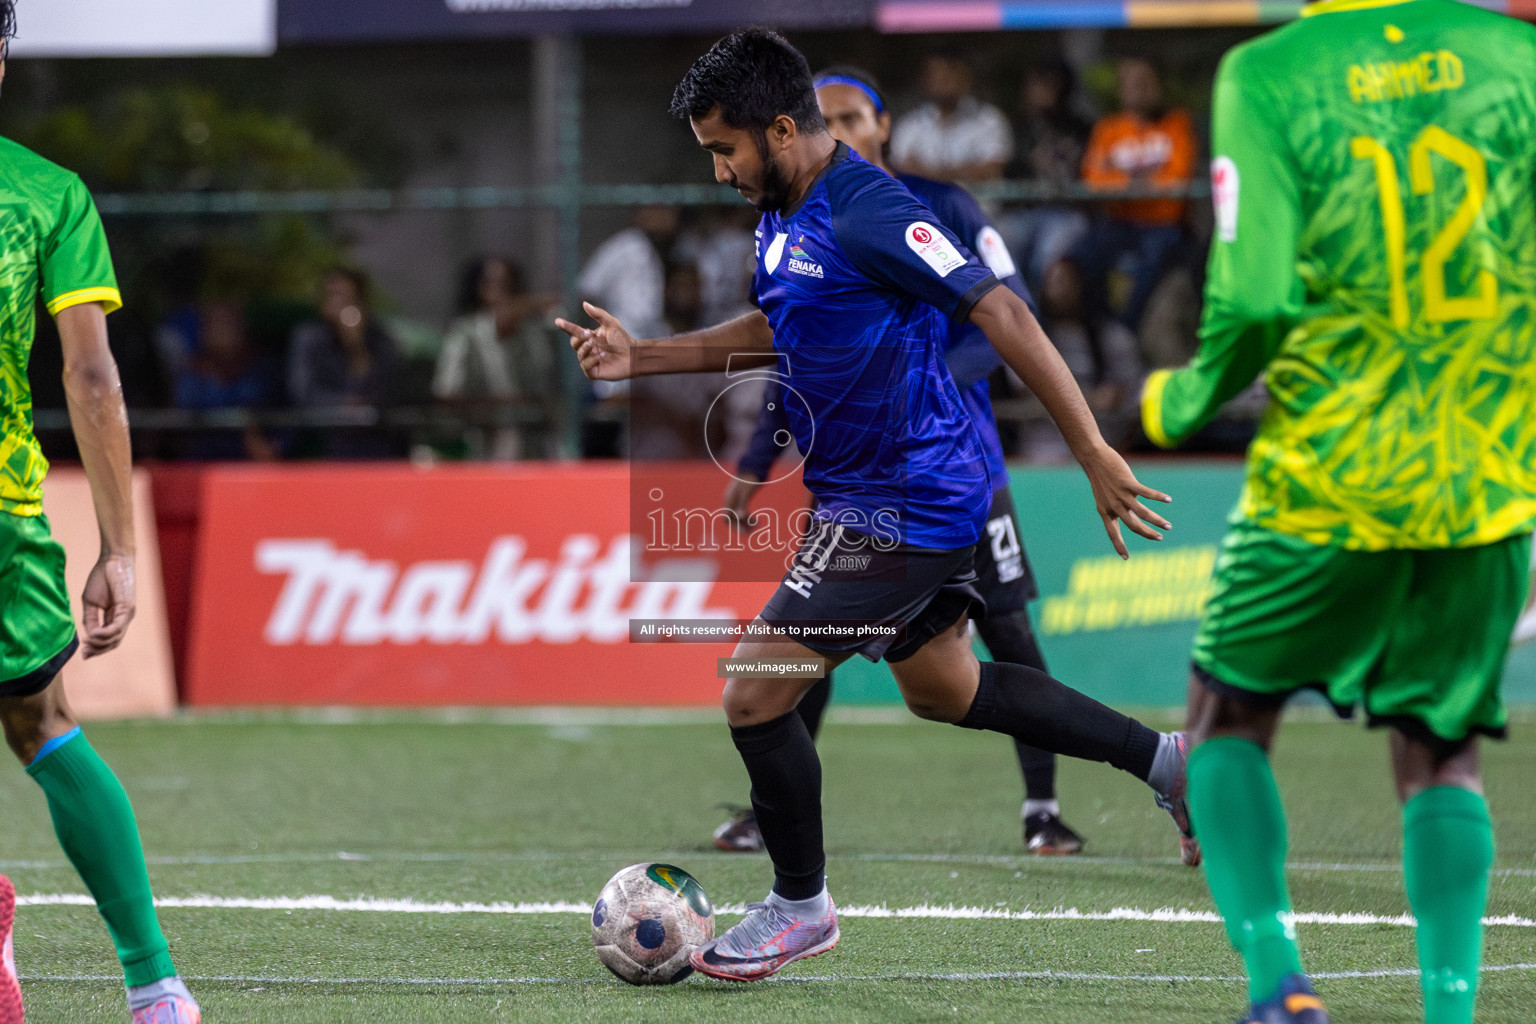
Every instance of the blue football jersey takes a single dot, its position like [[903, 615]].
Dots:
[[859, 282], [970, 356]]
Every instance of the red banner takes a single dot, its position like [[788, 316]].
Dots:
[[391, 584]]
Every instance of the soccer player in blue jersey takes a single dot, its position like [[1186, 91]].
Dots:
[[855, 111], [854, 280]]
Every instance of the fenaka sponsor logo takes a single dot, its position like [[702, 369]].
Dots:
[[332, 595], [800, 262]]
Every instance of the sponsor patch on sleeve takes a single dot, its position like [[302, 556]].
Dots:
[[1224, 186], [994, 252], [933, 248]]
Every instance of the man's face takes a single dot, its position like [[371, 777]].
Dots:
[[339, 300], [745, 161], [1141, 92], [945, 81], [851, 118], [1042, 92]]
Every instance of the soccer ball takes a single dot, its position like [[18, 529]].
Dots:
[[646, 921]]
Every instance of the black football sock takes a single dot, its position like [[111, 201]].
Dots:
[[1039, 768], [813, 706], [786, 796], [1011, 639], [1035, 709]]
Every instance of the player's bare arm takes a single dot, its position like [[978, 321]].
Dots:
[[100, 422], [1018, 338], [738, 499], [608, 352]]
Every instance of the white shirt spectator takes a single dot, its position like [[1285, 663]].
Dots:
[[476, 363], [975, 133], [626, 277], [726, 258]]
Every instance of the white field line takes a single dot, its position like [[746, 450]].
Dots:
[[493, 856], [255, 979], [1163, 915]]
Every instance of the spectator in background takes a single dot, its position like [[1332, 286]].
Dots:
[[225, 371], [1145, 143], [498, 348], [953, 136], [344, 358], [725, 252], [1049, 142], [627, 276], [725, 255], [667, 412]]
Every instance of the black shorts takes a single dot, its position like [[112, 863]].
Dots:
[[1002, 568], [849, 593]]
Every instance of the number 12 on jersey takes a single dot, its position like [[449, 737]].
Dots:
[[1483, 304]]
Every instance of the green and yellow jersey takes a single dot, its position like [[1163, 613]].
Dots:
[[51, 247], [1375, 190]]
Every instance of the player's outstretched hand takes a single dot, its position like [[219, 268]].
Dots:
[[604, 350], [109, 601], [1118, 494]]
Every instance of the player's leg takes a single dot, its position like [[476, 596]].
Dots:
[[741, 833], [943, 681], [94, 822], [1283, 614], [1447, 856], [1010, 638], [813, 705], [91, 814], [1236, 809], [1007, 585], [797, 919], [1438, 686], [781, 761]]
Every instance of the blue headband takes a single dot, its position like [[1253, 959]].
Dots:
[[863, 87]]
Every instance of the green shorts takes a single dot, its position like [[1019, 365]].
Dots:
[[37, 629], [1418, 637]]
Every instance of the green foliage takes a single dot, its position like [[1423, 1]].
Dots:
[[176, 138], [185, 138]]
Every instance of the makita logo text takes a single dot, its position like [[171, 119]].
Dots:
[[332, 595]]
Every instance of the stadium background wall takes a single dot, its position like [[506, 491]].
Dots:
[[136, 680], [355, 584]]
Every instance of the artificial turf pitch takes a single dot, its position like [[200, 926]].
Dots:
[[481, 811]]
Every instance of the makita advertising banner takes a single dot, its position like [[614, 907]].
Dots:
[[612, 584], [386, 584], [343, 21]]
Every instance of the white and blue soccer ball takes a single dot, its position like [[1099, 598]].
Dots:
[[647, 920]]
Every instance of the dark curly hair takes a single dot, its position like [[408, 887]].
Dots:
[[752, 77]]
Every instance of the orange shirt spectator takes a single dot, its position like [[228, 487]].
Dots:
[[1142, 145]]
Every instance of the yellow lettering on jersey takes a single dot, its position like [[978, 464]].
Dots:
[[1377, 81]]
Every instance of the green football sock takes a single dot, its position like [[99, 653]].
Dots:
[[1236, 812], [1447, 853], [95, 825]]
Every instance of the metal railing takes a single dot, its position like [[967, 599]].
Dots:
[[496, 197]]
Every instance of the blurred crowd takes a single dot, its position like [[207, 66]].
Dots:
[[1116, 282]]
